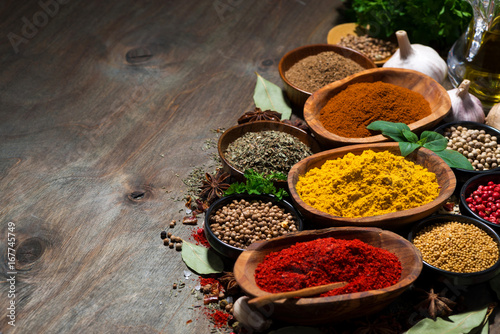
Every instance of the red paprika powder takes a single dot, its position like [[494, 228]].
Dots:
[[328, 260], [349, 112]]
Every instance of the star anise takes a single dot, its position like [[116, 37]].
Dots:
[[229, 283], [213, 186], [436, 304], [259, 115]]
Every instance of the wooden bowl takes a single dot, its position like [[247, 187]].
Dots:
[[297, 95], [237, 131], [395, 220], [431, 90], [226, 249], [459, 279], [461, 174], [308, 311], [342, 30]]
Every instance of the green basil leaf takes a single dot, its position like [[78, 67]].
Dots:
[[455, 159], [406, 148], [390, 129], [268, 96], [201, 259], [458, 323], [410, 136], [434, 141], [296, 330]]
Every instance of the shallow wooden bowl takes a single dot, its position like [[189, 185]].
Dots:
[[308, 311], [395, 220], [431, 90], [237, 131], [297, 95]]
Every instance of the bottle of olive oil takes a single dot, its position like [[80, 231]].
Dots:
[[482, 64]]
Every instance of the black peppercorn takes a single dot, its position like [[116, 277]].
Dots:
[[163, 234]]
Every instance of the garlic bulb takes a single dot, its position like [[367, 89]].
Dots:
[[493, 118], [417, 57], [248, 316], [464, 105]]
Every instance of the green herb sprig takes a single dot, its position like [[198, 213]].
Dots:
[[447, 19], [258, 184], [409, 142]]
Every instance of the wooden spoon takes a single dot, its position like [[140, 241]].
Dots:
[[306, 292]]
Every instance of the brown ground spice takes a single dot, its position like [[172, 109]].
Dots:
[[349, 112], [314, 72]]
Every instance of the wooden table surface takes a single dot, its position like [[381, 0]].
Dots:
[[105, 107]]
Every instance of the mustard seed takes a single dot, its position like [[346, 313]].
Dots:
[[457, 247]]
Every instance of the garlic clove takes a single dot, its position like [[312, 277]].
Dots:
[[464, 105], [417, 57], [248, 316], [493, 118]]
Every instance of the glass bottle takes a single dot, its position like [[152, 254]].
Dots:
[[476, 54]]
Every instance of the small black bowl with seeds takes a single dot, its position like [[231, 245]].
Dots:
[[234, 222], [478, 142]]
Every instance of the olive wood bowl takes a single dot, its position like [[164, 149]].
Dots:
[[297, 95], [394, 220], [429, 88], [309, 311], [460, 279], [237, 131]]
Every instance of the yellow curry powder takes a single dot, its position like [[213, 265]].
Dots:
[[370, 184]]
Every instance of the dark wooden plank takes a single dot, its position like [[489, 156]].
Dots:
[[104, 99]]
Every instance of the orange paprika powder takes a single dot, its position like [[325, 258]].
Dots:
[[349, 112]]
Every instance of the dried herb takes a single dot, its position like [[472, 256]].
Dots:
[[266, 152], [258, 184], [268, 96], [259, 115]]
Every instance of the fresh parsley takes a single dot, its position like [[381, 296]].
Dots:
[[258, 184], [409, 142], [446, 19]]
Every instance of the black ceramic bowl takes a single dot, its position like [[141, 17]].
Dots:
[[470, 186], [228, 250], [463, 175], [459, 278]]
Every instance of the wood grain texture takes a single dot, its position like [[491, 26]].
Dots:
[[429, 88], [394, 220], [316, 310], [105, 101]]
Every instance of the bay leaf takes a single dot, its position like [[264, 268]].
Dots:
[[201, 259], [458, 323], [296, 330], [268, 96]]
